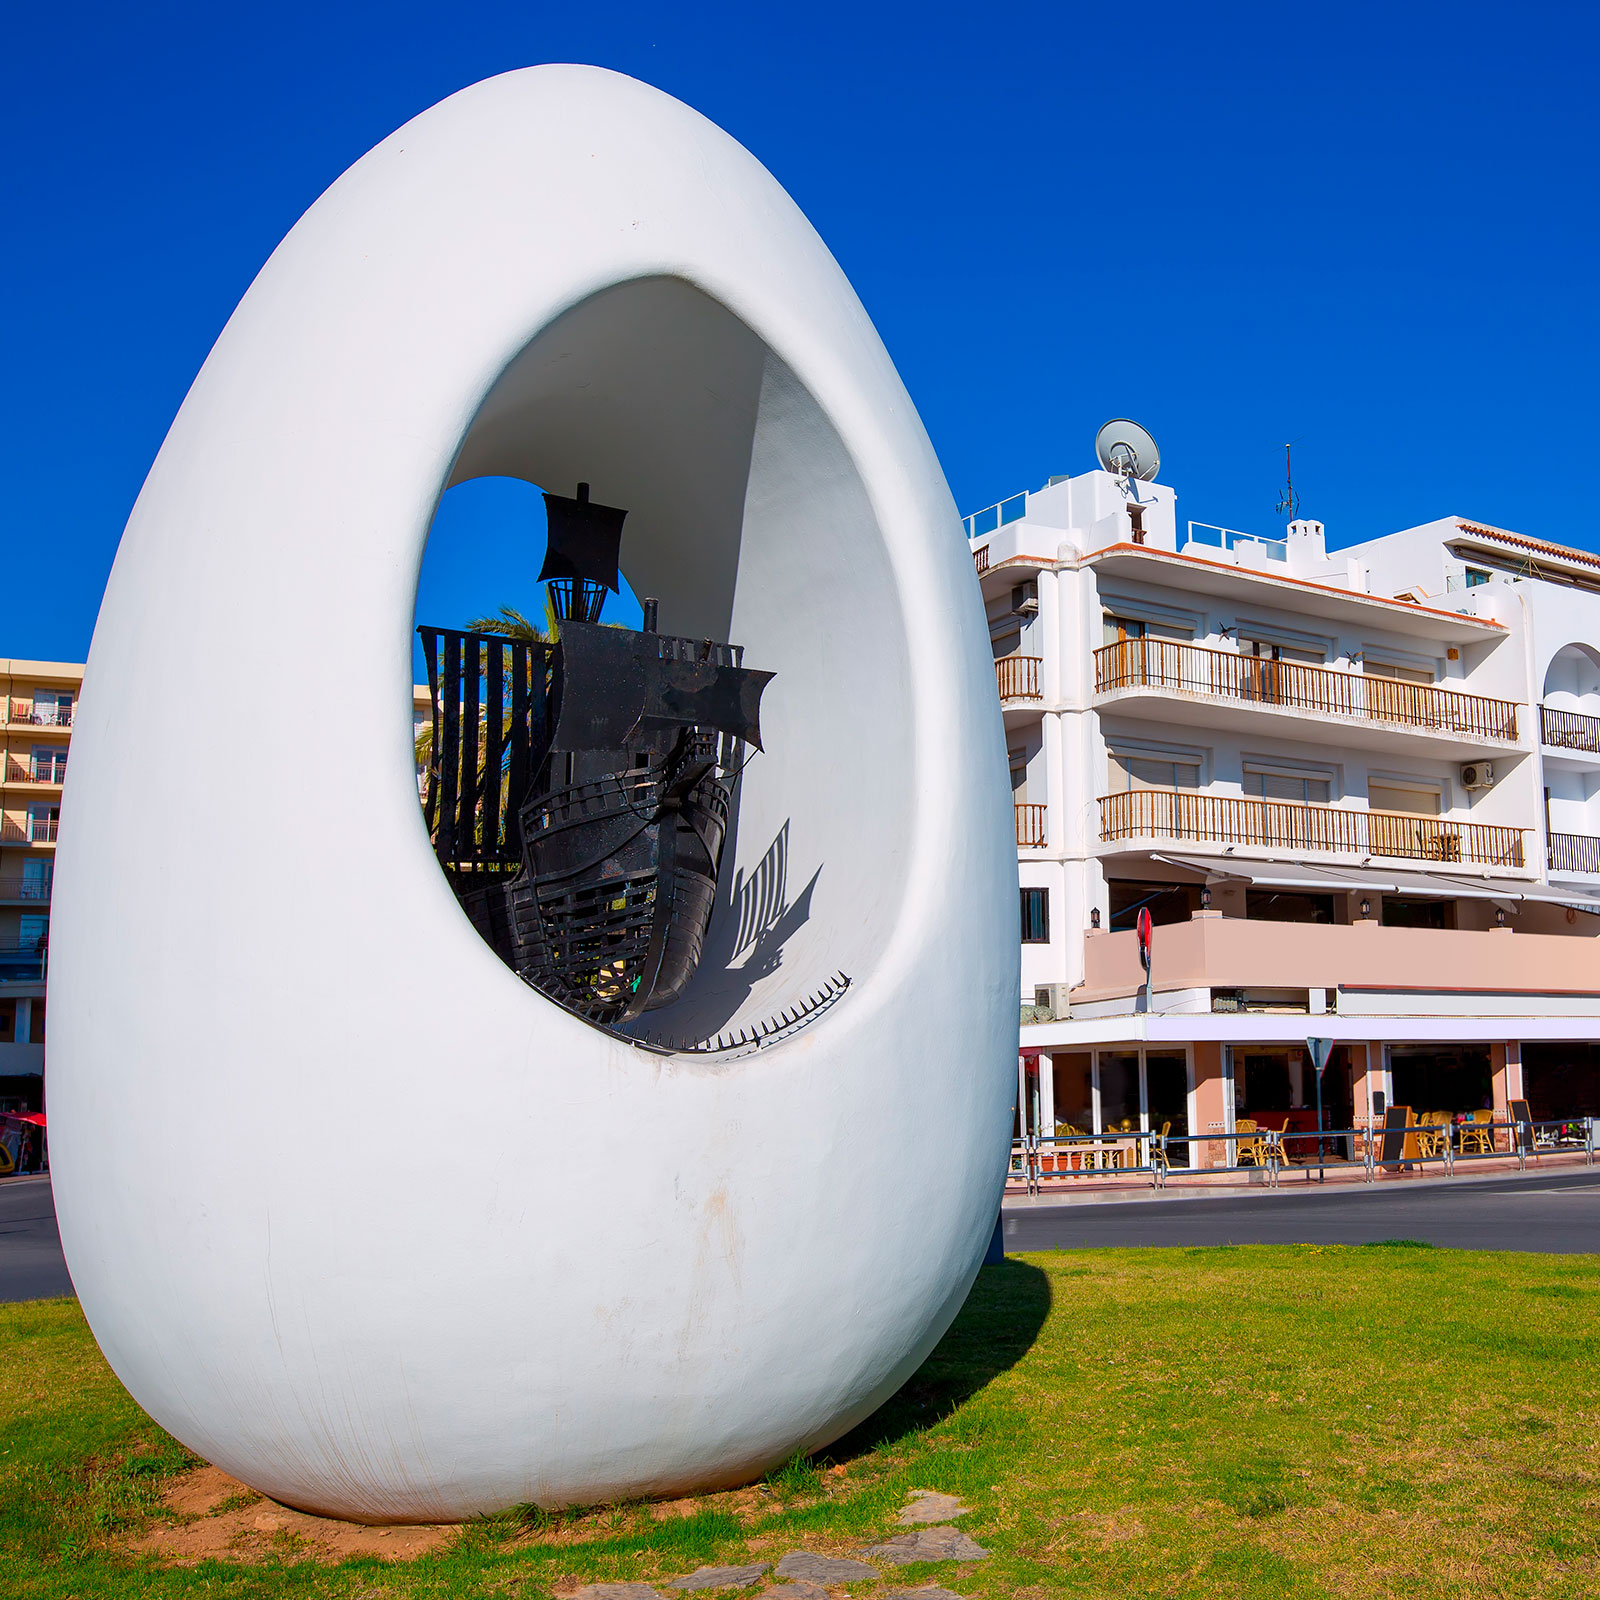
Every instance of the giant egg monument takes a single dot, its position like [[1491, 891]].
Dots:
[[403, 1170]]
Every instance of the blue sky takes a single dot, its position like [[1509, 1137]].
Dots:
[[1370, 229]]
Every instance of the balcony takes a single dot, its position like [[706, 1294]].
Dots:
[[1017, 677], [1281, 825], [1377, 970], [1030, 827], [1569, 730], [23, 961], [50, 771], [41, 716], [1574, 853], [30, 830], [980, 560], [1231, 677], [31, 891]]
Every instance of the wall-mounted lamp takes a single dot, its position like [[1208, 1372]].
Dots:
[[1205, 897], [1366, 908], [1094, 917], [1500, 916]]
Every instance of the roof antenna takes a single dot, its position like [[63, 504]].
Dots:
[[1289, 501]]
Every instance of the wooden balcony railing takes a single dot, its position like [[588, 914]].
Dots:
[[1574, 852], [1230, 675], [1017, 677], [1030, 826], [980, 560], [1569, 730], [1280, 825]]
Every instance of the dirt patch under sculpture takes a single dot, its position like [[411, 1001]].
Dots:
[[223, 1520]]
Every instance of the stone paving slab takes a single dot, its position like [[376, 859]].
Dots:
[[618, 1591], [926, 1544], [928, 1505], [795, 1591], [932, 1592], [811, 1568], [719, 1577]]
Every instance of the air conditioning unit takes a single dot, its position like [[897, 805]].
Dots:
[[1477, 775], [1054, 998], [1025, 600]]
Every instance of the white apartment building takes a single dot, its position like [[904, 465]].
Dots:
[[1358, 791]]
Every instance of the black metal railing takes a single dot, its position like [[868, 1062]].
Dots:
[[1574, 852], [489, 696], [1569, 730]]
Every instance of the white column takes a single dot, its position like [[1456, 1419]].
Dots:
[[1094, 1091], [24, 1031], [1047, 1094], [1054, 796], [1050, 632]]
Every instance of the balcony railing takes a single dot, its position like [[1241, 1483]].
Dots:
[[1017, 677], [1281, 825], [996, 516], [30, 830], [980, 561], [1574, 852], [1569, 730], [1030, 826], [1257, 680], [40, 716], [31, 889], [34, 771], [23, 961]]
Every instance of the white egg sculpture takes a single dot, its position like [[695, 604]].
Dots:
[[353, 1211]]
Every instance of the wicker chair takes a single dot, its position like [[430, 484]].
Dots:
[[1250, 1149]]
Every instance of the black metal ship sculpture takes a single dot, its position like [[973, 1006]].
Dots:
[[578, 790]]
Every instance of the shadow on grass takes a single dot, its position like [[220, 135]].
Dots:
[[994, 1330]]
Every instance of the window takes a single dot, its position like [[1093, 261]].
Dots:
[[1119, 629], [49, 764], [42, 822], [1475, 576], [1262, 905], [1413, 800], [1129, 771], [1392, 669], [1304, 788], [1019, 777], [1036, 916], [1166, 902], [33, 932], [1270, 650], [1399, 913]]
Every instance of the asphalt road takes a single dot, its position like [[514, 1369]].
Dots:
[[31, 1264], [1558, 1213]]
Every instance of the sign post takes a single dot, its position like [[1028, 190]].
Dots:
[[1320, 1050], [1145, 927]]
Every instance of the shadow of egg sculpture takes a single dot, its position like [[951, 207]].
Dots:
[[356, 1208]]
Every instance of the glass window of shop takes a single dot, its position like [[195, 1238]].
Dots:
[[1562, 1079], [1167, 1097], [1120, 1107], [1074, 1091], [1451, 1078]]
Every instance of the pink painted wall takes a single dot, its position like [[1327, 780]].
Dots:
[[1230, 952]]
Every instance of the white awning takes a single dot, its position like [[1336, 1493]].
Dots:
[[1375, 880]]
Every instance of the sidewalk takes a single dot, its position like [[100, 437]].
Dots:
[[1056, 1189]]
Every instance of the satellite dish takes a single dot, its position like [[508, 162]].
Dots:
[[1125, 448]]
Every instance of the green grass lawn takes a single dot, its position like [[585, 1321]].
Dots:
[[1252, 1421]]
